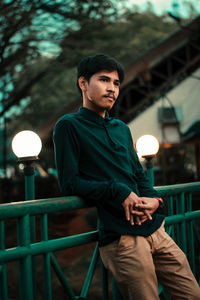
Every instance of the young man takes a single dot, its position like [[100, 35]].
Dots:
[[96, 160]]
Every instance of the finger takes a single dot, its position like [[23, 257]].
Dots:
[[143, 206], [146, 212], [138, 221], [131, 220], [127, 213], [143, 219], [137, 212]]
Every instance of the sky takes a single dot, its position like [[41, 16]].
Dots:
[[167, 5]]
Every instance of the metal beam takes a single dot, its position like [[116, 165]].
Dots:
[[158, 71]]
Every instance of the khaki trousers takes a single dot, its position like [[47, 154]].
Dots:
[[137, 263]]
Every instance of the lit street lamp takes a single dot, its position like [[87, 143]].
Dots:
[[27, 145], [147, 147]]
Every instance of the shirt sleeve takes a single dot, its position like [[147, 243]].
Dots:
[[67, 155], [144, 185]]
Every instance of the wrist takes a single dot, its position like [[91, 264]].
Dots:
[[159, 199]]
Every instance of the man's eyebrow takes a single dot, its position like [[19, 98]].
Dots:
[[104, 76], [107, 77]]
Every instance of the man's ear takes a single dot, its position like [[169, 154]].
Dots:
[[82, 83]]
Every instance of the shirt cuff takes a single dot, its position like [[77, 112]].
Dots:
[[123, 192]]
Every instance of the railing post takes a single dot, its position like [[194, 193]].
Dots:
[[3, 272], [29, 172], [191, 252], [25, 264], [116, 292], [47, 260], [104, 281], [170, 204], [29, 182], [181, 230], [90, 273], [150, 169]]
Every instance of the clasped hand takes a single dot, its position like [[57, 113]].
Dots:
[[139, 209]]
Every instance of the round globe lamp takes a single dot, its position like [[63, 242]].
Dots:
[[26, 146], [147, 147]]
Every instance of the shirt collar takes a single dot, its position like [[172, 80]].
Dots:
[[93, 116]]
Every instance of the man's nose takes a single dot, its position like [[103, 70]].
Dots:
[[111, 87]]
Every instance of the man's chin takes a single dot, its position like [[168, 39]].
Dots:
[[109, 107]]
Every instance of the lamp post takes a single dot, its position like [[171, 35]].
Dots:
[[147, 147], [27, 145]]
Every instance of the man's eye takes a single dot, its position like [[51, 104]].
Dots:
[[104, 79]]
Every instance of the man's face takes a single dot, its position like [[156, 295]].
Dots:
[[102, 90]]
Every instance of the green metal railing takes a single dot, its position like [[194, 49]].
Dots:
[[180, 224]]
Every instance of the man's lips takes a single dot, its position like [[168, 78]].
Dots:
[[112, 97]]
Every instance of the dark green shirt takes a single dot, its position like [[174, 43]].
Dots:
[[96, 160]]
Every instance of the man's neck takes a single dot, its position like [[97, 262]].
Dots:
[[100, 111]]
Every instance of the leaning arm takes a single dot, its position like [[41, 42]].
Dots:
[[67, 154]]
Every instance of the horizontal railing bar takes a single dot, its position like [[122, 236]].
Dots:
[[171, 190], [48, 246], [50, 205], [75, 240], [182, 217], [42, 206]]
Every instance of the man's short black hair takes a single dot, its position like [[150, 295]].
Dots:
[[94, 64]]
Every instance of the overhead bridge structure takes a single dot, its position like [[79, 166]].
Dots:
[[159, 70]]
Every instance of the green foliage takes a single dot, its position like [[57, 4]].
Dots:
[[29, 29], [50, 95]]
